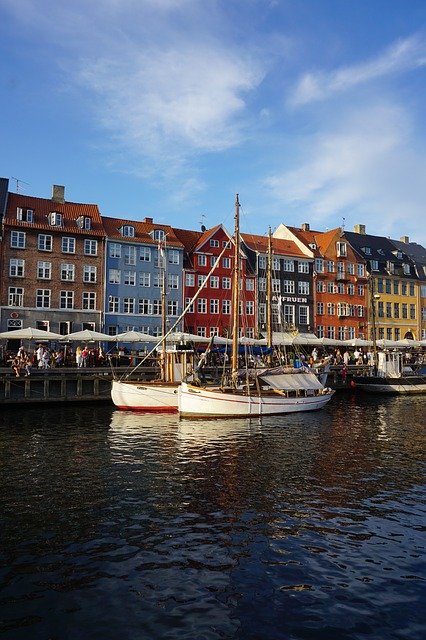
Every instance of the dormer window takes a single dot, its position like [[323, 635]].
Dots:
[[159, 234], [374, 265], [406, 269], [341, 249], [367, 251], [390, 267], [84, 222], [312, 246], [55, 219], [24, 215], [127, 231]]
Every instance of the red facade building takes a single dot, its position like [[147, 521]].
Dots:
[[209, 261]]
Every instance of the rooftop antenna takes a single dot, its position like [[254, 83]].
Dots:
[[203, 226], [19, 182], [343, 223]]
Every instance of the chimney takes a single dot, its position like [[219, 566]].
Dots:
[[58, 193], [305, 226], [405, 239], [149, 220], [360, 228]]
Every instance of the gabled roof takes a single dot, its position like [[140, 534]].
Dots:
[[42, 207], [142, 231], [188, 238], [280, 247]]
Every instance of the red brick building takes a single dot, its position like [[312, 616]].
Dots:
[[52, 261]]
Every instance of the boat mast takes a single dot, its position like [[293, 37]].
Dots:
[[269, 294], [162, 264], [236, 294], [373, 297]]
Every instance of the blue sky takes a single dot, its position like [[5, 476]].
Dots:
[[312, 110]]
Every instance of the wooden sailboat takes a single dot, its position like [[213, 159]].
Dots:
[[265, 392]]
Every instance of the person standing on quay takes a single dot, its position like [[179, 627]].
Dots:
[[78, 358]]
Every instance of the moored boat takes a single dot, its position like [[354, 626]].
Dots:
[[391, 376]]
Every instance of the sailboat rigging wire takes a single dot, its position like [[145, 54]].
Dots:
[[184, 312]]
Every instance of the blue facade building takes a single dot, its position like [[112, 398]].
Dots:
[[136, 254]]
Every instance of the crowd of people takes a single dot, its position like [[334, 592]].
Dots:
[[42, 358]]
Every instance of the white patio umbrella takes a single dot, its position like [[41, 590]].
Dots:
[[30, 334], [306, 338], [406, 342], [132, 336], [358, 342], [86, 335], [386, 344], [183, 336]]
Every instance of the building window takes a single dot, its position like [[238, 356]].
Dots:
[[128, 305], [320, 331], [114, 276], [250, 308], [262, 262], [201, 332], [226, 283], [226, 307], [341, 249], [90, 247], [288, 286], [288, 265], [350, 268], [388, 285], [159, 234], [404, 309], [319, 265], [127, 231], [189, 306], [351, 289], [289, 316], [172, 308], [129, 278], [44, 270], [145, 254], [330, 266], [411, 288], [130, 255], [201, 280], [173, 256], [330, 308], [214, 306], [68, 245], [16, 268], [144, 279], [320, 286], [374, 264], [113, 304], [360, 289], [55, 219], [276, 285], [412, 311], [303, 314], [320, 308], [67, 272], [89, 273], [397, 334], [381, 309], [89, 300], [16, 297], [249, 284], [45, 242], [84, 222], [403, 289], [66, 299], [172, 281], [145, 307], [202, 305], [303, 288], [214, 282], [43, 298], [262, 284], [276, 264], [190, 280], [156, 280], [214, 243], [24, 215], [360, 269], [303, 266], [17, 239], [114, 250], [226, 263], [331, 332], [202, 260]]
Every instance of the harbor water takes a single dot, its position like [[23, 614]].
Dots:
[[116, 526]]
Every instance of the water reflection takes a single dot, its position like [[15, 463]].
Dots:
[[119, 525]]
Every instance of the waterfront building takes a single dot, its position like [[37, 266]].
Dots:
[[339, 282], [292, 277], [417, 254], [393, 286], [211, 313], [52, 263], [137, 255]]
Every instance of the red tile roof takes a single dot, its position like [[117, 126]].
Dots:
[[280, 246], [142, 231], [42, 207]]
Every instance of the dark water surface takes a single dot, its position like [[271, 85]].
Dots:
[[117, 526]]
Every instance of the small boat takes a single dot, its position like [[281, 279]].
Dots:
[[252, 392], [156, 396], [391, 376]]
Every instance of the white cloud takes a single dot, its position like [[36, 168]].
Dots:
[[401, 56], [366, 170]]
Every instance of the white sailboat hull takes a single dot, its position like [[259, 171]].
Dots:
[[150, 397], [204, 402]]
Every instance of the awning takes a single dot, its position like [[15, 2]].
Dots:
[[292, 381]]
